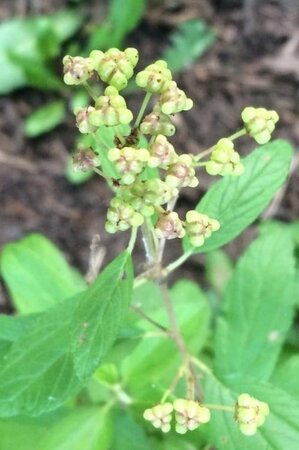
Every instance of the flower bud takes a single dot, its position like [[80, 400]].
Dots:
[[162, 153], [182, 173], [157, 123], [259, 123], [76, 69], [114, 66], [250, 413], [110, 110], [169, 226], [129, 161], [199, 227], [154, 78], [160, 416], [82, 120], [122, 216], [189, 415], [84, 160], [224, 159], [174, 100]]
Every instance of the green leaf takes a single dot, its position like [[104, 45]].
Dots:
[[130, 435], [149, 368], [280, 430], [237, 201], [26, 43], [21, 433], [258, 309], [37, 274], [219, 269], [49, 363], [286, 376], [188, 42], [122, 18], [45, 118], [85, 428]]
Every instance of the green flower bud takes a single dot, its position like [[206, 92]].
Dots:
[[169, 226], [157, 123], [160, 416], [154, 78], [250, 413], [199, 227], [174, 100], [85, 159], [76, 69], [129, 161], [162, 153], [114, 66], [189, 415], [110, 110], [82, 120], [121, 216], [224, 159], [182, 173], [259, 123]]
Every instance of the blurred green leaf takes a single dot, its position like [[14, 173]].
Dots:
[[45, 118], [21, 433], [50, 361], [37, 274], [258, 308], [219, 269], [122, 18], [25, 45], [280, 430], [237, 201], [130, 435], [188, 42], [285, 376]]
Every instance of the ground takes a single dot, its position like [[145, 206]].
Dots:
[[254, 62]]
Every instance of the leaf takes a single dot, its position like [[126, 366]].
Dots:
[[188, 42], [45, 118], [37, 274], [21, 433], [285, 376], [50, 362], [85, 428], [237, 201], [121, 19], [258, 309], [130, 434], [35, 40], [280, 430], [149, 368], [219, 269]]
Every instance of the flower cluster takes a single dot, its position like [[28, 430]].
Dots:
[[189, 415], [137, 195], [250, 413]]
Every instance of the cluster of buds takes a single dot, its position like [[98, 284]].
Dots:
[[121, 216], [224, 159], [155, 78], [77, 70], [174, 100], [189, 415], [199, 227], [162, 153], [115, 67], [110, 110], [129, 162], [85, 159], [157, 123], [182, 173], [170, 226], [259, 123], [250, 413]]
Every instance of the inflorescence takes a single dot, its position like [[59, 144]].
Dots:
[[137, 195]]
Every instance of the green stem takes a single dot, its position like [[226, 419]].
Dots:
[[238, 134], [142, 109], [132, 239], [233, 137], [90, 91], [220, 407], [178, 262], [119, 136]]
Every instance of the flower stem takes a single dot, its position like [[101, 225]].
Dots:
[[142, 109], [233, 137], [178, 262], [132, 239], [220, 407], [90, 91]]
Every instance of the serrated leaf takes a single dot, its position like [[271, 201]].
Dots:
[[237, 201], [280, 430], [258, 308], [45, 118], [188, 42], [37, 274], [50, 362]]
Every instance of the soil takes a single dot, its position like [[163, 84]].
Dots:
[[253, 62]]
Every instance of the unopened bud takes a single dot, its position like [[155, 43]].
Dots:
[[157, 123], [174, 100], [250, 413], [259, 123], [84, 160], [162, 153], [169, 226], [110, 110], [182, 173], [76, 69], [154, 78], [189, 415], [199, 227], [224, 159]]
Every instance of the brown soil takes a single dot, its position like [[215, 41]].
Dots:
[[254, 62]]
